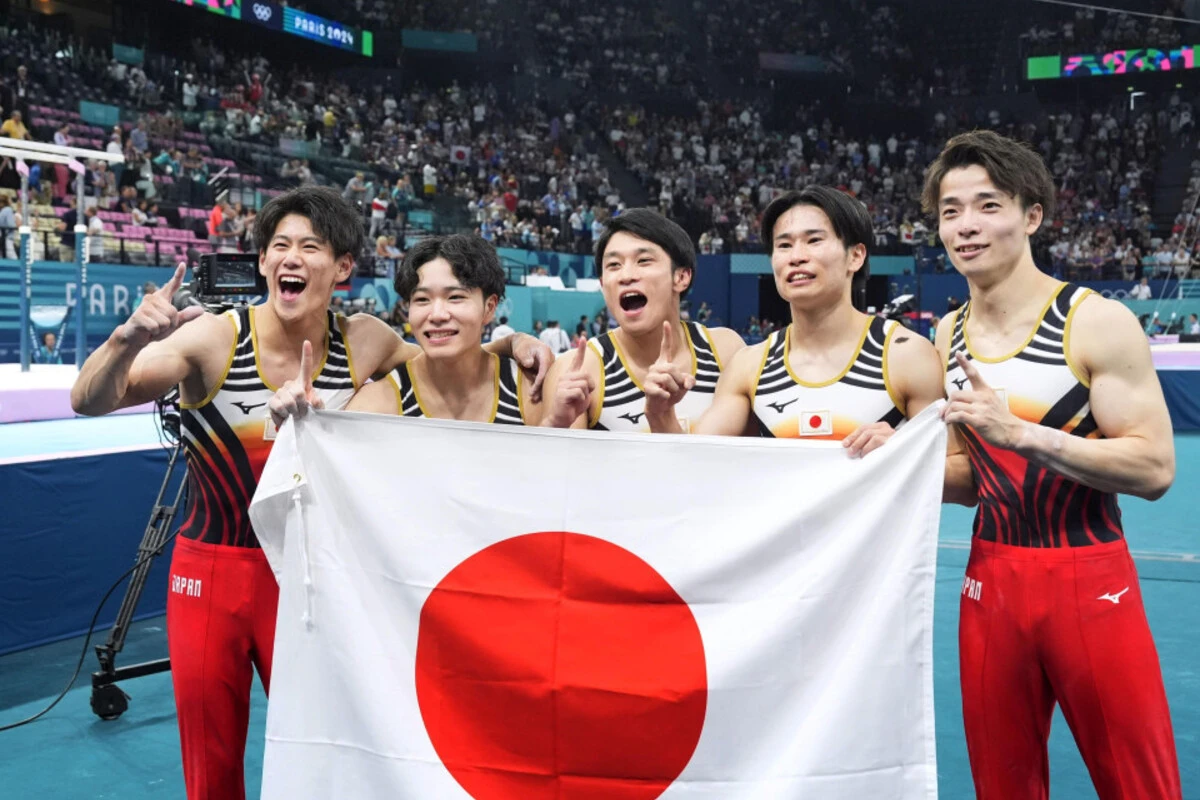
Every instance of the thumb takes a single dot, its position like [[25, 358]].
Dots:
[[666, 351], [306, 365], [188, 314], [580, 353]]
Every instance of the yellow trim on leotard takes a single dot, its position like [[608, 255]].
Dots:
[[1023, 345], [258, 365], [1075, 370], [342, 322], [232, 317], [691, 348], [391, 379], [887, 384], [593, 422], [787, 349]]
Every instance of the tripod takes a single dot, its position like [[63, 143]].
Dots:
[[108, 700]]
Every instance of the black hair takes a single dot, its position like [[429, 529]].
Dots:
[[1015, 168], [652, 226], [332, 218], [848, 216], [473, 261]]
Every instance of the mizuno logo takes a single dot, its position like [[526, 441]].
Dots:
[[246, 409], [779, 407], [634, 418], [1115, 598], [959, 382]]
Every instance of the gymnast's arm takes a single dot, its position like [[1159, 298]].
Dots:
[[157, 348]]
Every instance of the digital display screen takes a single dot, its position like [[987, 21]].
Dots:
[[1116, 62], [235, 273], [226, 8], [292, 21]]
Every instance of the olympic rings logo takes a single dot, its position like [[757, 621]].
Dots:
[[262, 12]]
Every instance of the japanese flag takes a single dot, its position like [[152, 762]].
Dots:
[[698, 618], [460, 154], [816, 423]]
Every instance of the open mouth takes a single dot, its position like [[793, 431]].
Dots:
[[632, 301], [970, 250], [291, 286], [799, 276], [440, 335]]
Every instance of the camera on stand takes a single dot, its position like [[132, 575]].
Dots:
[[221, 281]]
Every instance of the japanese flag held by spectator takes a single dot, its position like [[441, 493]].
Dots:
[[460, 154], [703, 617]]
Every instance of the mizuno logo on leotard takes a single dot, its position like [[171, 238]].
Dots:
[[246, 409], [634, 418], [779, 407], [1115, 598], [959, 382]]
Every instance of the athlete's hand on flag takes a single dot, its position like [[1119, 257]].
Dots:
[[297, 396], [665, 383], [983, 410], [573, 396], [157, 318], [535, 359], [867, 438]]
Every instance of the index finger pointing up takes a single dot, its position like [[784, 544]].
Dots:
[[306, 365], [580, 352], [977, 381], [667, 351]]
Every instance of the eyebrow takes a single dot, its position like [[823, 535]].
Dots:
[[809, 232], [303, 239], [455, 288], [949, 201], [609, 256]]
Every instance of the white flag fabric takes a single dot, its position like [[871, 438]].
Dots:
[[478, 611]]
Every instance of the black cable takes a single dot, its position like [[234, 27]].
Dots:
[[88, 636]]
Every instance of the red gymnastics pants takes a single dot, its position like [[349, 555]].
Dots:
[[221, 604], [1066, 625]]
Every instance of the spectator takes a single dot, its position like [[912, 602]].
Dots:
[[555, 337], [8, 229], [138, 137], [504, 329], [47, 351], [1141, 291], [14, 127], [95, 234]]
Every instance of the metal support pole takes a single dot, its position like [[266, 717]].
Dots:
[[26, 296], [81, 264]]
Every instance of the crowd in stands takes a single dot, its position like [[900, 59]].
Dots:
[[531, 174], [1069, 31]]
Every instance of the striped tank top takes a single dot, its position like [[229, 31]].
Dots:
[[228, 436], [507, 408], [1021, 503], [789, 408], [622, 401]]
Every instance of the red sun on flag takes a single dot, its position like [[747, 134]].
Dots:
[[560, 665]]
